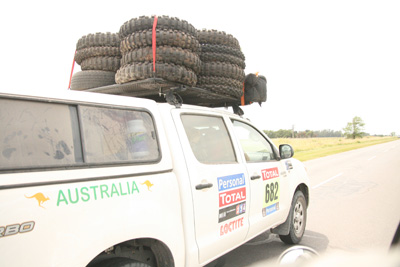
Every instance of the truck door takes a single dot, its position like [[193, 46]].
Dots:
[[270, 197], [219, 183]]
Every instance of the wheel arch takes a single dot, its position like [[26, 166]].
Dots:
[[304, 189], [150, 251], [284, 228]]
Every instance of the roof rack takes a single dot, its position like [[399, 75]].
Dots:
[[159, 89]]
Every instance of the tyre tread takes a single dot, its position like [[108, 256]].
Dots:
[[212, 48], [163, 38], [217, 38], [83, 80], [98, 39], [167, 71], [163, 22], [97, 51], [220, 57], [222, 69], [101, 63], [164, 54]]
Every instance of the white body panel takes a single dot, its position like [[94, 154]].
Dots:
[[66, 216]]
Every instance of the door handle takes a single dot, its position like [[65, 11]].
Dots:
[[255, 177], [203, 186]]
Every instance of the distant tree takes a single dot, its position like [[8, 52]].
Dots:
[[282, 133], [301, 134], [355, 128], [393, 134], [328, 133], [279, 134], [306, 134], [310, 134], [271, 134]]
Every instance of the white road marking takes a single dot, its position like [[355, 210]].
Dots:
[[330, 179], [371, 158]]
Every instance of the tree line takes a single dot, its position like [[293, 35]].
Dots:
[[353, 130], [303, 134]]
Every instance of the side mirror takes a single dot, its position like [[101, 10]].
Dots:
[[286, 151]]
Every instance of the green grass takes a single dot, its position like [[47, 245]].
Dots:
[[311, 148]]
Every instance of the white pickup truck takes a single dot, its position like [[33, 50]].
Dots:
[[90, 179]]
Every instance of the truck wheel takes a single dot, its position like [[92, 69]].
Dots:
[[98, 39], [213, 80], [221, 57], [83, 80], [235, 92], [144, 70], [164, 54], [298, 218], [163, 22], [120, 262], [217, 38], [96, 51], [101, 63], [222, 69], [163, 37], [211, 48]]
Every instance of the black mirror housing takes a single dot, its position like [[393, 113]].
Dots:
[[286, 151]]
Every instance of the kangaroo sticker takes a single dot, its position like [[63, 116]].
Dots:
[[148, 184], [40, 198]]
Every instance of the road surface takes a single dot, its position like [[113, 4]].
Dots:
[[355, 206]]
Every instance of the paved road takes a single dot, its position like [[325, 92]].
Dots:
[[355, 206]]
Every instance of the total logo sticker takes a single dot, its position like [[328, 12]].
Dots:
[[232, 197], [270, 173]]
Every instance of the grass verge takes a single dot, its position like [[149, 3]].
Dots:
[[311, 148]]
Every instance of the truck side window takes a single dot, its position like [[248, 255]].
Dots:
[[117, 135], [209, 139], [256, 148], [36, 134]]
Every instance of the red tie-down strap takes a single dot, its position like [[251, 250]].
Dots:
[[72, 71], [154, 43], [242, 98]]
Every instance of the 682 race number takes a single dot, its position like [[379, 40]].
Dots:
[[271, 192]]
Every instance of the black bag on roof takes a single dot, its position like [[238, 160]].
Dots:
[[255, 89]]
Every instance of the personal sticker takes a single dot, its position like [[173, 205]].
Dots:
[[270, 209], [231, 182]]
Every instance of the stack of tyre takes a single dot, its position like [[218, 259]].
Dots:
[[176, 49], [223, 63], [99, 56]]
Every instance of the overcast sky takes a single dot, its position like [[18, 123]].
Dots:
[[325, 61]]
